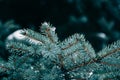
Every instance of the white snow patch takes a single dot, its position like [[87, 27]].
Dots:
[[16, 35], [45, 24], [53, 28]]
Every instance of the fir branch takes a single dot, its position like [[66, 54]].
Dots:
[[35, 37], [49, 31], [17, 47], [109, 64], [110, 50], [81, 65], [5, 68], [71, 41], [73, 58]]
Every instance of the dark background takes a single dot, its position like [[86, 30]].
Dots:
[[98, 20]]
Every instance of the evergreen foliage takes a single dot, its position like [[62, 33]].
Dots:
[[6, 28], [41, 56]]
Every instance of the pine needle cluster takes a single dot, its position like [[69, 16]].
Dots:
[[41, 56]]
